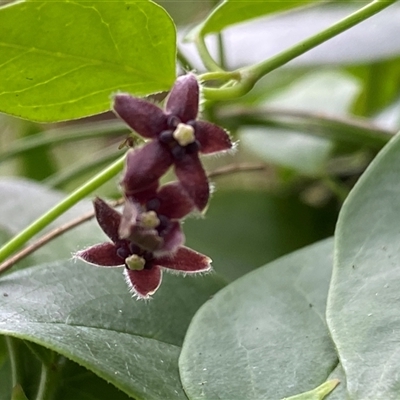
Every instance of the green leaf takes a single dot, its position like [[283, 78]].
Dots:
[[263, 336], [325, 92], [378, 90], [231, 12], [340, 392], [363, 310], [88, 315], [63, 60], [318, 393]]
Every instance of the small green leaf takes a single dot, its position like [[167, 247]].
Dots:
[[318, 393], [363, 313], [63, 60], [263, 336], [340, 392], [88, 315], [231, 12]]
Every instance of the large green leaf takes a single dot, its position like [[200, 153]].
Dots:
[[62, 59], [263, 336], [363, 313], [87, 314], [231, 12]]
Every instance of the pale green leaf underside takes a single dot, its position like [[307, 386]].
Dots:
[[363, 311], [264, 336], [231, 12], [63, 60], [88, 315]]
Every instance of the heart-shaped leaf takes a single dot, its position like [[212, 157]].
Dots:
[[63, 59], [87, 314], [263, 336], [363, 313]]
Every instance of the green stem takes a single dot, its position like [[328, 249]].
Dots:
[[13, 353], [49, 379], [221, 51], [19, 240], [204, 54], [250, 75]]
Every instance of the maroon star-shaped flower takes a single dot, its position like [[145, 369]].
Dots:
[[177, 139], [143, 268]]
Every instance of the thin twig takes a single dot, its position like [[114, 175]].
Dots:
[[229, 169], [235, 168]]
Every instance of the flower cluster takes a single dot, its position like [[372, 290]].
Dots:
[[147, 236]]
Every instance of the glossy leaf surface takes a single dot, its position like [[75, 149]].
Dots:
[[63, 60], [88, 315]]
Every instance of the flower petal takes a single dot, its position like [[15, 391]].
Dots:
[[173, 239], [174, 201], [185, 260], [145, 195], [145, 118], [183, 100], [101, 255], [191, 175], [212, 138], [144, 166], [145, 282], [108, 219]]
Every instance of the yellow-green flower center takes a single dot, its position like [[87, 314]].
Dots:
[[135, 262], [149, 219], [184, 134]]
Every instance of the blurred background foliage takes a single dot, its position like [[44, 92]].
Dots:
[[311, 128]]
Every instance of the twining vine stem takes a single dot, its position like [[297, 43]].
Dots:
[[251, 74]]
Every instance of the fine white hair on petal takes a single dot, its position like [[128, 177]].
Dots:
[[133, 291], [210, 270]]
